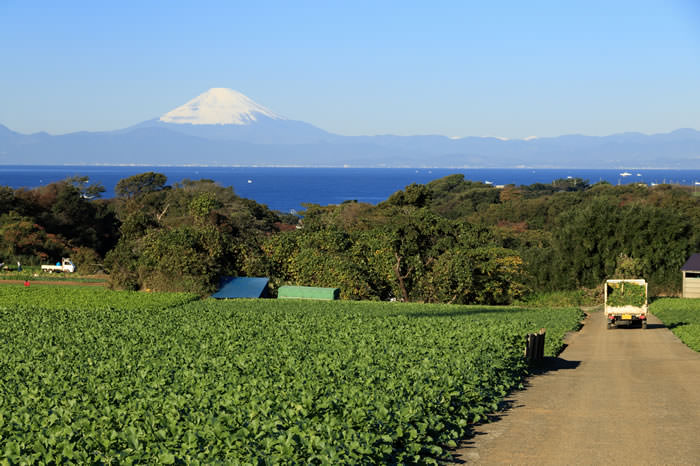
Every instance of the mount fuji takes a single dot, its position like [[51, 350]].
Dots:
[[225, 114], [219, 106], [224, 127]]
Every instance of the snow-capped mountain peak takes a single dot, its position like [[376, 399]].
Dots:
[[219, 106]]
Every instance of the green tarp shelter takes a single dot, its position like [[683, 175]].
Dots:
[[307, 292], [242, 287]]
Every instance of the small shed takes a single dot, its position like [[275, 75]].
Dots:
[[691, 277], [242, 287], [307, 292]]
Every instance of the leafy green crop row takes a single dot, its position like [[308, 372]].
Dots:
[[255, 381], [49, 277], [83, 298], [682, 316]]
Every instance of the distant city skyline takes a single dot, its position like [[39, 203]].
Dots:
[[503, 69]]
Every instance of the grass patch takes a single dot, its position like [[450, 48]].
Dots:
[[682, 316]]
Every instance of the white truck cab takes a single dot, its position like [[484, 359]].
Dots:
[[66, 265]]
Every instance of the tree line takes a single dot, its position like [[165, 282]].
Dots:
[[451, 240]]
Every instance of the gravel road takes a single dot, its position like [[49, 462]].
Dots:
[[624, 396]]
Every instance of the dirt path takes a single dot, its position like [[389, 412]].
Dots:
[[621, 396]]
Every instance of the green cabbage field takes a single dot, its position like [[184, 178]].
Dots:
[[682, 316], [94, 376], [76, 298]]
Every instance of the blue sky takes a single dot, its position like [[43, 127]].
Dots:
[[458, 68]]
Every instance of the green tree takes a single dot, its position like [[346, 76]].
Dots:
[[474, 270], [23, 239], [183, 259], [186, 237], [415, 195], [627, 267], [203, 205], [588, 242], [87, 190], [137, 185], [7, 199]]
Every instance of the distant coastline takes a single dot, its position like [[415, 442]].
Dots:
[[363, 167], [286, 188]]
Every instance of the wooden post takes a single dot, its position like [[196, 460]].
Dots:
[[530, 353], [534, 346], [540, 349]]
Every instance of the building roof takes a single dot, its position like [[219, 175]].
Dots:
[[241, 287], [692, 264]]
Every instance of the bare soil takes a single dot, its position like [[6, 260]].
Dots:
[[624, 396]]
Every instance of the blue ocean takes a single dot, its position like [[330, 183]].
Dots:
[[285, 189]]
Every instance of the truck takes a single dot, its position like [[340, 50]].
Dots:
[[626, 302], [66, 265]]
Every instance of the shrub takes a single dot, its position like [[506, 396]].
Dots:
[[86, 260]]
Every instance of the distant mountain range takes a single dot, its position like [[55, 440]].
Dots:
[[224, 127]]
